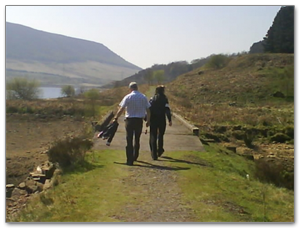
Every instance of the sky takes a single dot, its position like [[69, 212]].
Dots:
[[148, 35]]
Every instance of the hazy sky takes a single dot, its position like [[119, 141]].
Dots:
[[147, 35]]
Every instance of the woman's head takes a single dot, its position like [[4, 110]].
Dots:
[[160, 89]]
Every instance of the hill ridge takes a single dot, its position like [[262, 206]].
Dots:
[[28, 48]]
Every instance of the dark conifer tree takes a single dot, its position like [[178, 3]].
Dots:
[[280, 37]]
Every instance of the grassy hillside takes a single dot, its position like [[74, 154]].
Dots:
[[256, 89], [56, 59], [86, 73], [246, 105], [246, 79]]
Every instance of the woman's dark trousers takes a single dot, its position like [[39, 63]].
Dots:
[[157, 131]]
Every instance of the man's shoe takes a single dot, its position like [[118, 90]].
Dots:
[[129, 163], [107, 143], [154, 158], [153, 155], [160, 152]]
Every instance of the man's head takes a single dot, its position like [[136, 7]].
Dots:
[[133, 86]]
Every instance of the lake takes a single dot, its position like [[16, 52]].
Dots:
[[50, 92]]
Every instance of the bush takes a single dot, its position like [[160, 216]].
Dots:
[[70, 151], [289, 131], [218, 61], [249, 137], [68, 91], [275, 173], [11, 109], [280, 137], [22, 88]]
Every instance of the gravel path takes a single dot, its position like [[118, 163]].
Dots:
[[160, 193], [152, 185]]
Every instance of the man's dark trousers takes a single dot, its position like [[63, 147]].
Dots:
[[134, 128]]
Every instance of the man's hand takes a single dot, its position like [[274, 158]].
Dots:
[[170, 123], [147, 123]]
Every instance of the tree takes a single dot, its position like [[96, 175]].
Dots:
[[159, 76], [68, 91], [197, 63], [257, 47], [218, 61], [280, 36], [148, 76], [92, 95], [22, 88]]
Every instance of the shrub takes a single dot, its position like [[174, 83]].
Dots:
[[289, 131], [218, 61], [68, 91], [249, 137], [69, 151], [275, 173], [22, 88], [280, 137], [11, 109]]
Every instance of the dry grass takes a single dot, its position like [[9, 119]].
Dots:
[[239, 93]]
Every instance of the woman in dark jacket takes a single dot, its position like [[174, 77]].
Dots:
[[159, 110]]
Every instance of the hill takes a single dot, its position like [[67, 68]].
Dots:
[[56, 59], [249, 78], [247, 105]]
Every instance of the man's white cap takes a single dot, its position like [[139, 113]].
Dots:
[[133, 85]]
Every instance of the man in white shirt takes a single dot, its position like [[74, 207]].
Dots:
[[136, 105]]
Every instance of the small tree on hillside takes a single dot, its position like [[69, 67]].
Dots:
[[22, 88], [68, 91], [159, 76], [92, 95], [218, 61], [149, 76]]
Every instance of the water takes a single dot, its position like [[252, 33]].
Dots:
[[50, 92]]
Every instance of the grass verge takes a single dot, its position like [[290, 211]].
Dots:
[[214, 185]]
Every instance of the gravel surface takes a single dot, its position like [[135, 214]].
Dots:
[[158, 198]]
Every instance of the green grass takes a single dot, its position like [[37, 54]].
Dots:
[[215, 187], [221, 192], [91, 195]]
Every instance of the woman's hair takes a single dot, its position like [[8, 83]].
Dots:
[[160, 89]]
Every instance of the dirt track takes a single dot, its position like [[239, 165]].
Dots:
[[177, 138], [161, 195]]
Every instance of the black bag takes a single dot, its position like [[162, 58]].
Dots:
[[105, 122], [109, 131]]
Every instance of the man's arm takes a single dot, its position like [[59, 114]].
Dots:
[[119, 113]]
